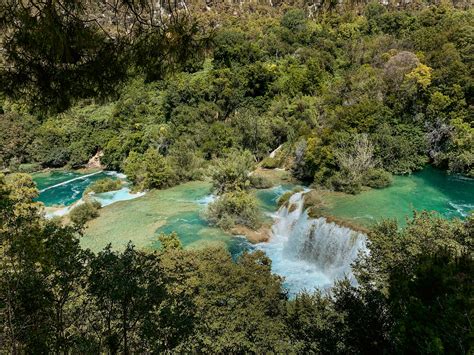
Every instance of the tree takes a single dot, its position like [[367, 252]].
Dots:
[[54, 52], [58, 51], [126, 288], [354, 156], [16, 134], [239, 305], [235, 208], [401, 149], [232, 172], [148, 170], [432, 308], [41, 274], [314, 324]]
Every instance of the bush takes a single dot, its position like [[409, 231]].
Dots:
[[104, 185], [344, 182], [401, 149], [377, 178], [259, 181], [232, 173], [83, 213], [235, 208], [29, 168], [149, 170], [270, 163]]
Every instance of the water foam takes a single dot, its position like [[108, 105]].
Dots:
[[311, 253], [124, 194]]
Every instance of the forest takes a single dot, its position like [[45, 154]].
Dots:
[[343, 95]]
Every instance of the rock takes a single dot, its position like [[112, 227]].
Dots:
[[253, 236], [94, 162]]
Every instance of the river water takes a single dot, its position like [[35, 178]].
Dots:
[[309, 253]]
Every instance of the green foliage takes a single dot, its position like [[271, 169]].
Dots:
[[58, 52], [426, 234], [232, 172], [84, 212], [258, 181], [29, 168], [72, 137], [235, 208], [231, 47], [185, 161], [294, 20], [170, 242], [431, 308], [351, 96], [279, 79], [377, 178], [414, 293], [315, 325], [55, 54], [401, 149], [148, 170], [126, 286], [231, 318], [16, 136], [103, 185]]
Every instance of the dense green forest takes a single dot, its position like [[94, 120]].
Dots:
[[347, 95], [354, 97]]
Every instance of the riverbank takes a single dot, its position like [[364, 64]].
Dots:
[[180, 208]]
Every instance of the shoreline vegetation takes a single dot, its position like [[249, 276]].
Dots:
[[318, 203], [215, 109]]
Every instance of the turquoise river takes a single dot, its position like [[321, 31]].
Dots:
[[141, 218]]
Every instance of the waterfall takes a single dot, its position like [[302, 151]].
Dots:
[[311, 253]]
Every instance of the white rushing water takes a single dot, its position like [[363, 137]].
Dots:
[[311, 253], [124, 194], [104, 198], [82, 177]]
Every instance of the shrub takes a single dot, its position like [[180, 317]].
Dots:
[[345, 182], [232, 173], [83, 213], [104, 185], [269, 163], [29, 168], [259, 181], [149, 170], [234, 208], [377, 178]]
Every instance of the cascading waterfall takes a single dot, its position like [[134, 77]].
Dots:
[[311, 253]]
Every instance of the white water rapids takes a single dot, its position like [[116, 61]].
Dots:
[[311, 253]]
